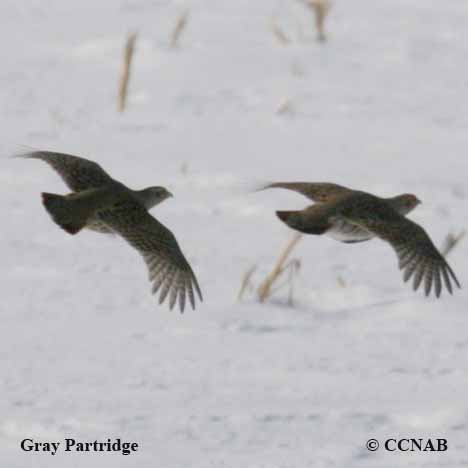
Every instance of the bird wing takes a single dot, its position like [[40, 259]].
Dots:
[[78, 173], [168, 269], [417, 255], [318, 192]]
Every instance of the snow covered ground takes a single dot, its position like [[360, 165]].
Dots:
[[86, 352]]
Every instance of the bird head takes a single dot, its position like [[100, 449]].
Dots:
[[152, 196], [405, 203]]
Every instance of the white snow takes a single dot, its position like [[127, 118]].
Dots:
[[86, 352]]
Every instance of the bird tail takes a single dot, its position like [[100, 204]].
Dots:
[[68, 213], [297, 220]]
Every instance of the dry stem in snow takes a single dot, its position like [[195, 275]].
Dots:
[[451, 242], [264, 290], [125, 77], [279, 34], [286, 107], [246, 283], [179, 28], [320, 9]]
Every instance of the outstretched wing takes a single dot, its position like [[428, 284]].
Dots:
[[78, 173], [417, 255], [318, 192], [168, 269]]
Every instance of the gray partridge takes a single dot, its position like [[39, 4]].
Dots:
[[101, 203], [354, 216]]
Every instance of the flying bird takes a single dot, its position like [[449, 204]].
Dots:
[[354, 216], [103, 204]]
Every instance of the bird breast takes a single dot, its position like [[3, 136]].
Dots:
[[343, 231]]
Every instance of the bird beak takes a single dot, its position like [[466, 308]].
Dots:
[[169, 194]]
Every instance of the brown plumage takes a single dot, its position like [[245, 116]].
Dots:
[[103, 204], [354, 216]]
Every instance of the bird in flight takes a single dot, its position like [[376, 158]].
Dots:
[[354, 216], [103, 204]]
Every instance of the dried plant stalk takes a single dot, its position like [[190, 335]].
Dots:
[[125, 77], [320, 9], [341, 282], [285, 107], [451, 242], [264, 290], [184, 168], [294, 266], [279, 34], [246, 282], [179, 28]]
